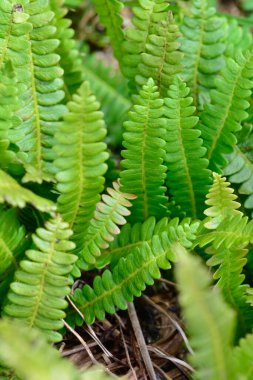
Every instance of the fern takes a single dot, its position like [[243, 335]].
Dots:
[[37, 294], [188, 177], [108, 215], [129, 276], [242, 357], [223, 117], [147, 15], [210, 322], [203, 46], [109, 15], [222, 202], [144, 172], [80, 162], [162, 58]]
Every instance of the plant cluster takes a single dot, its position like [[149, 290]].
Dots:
[[123, 174]]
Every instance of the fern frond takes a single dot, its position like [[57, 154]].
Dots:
[[109, 16], [37, 360], [237, 36], [81, 155], [188, 177], [243, 358], [222, 202], [18, 196], [162, 59], [222, 118], [147, 15], [203, 47], [128, 278], [210, 322], [110, 89], [41, 74], [132, 236], [144, 172], [108, 215], [36, 296], [71, 61], [240, 171], [11, 236]]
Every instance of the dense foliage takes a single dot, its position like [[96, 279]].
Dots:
[[122, 172]]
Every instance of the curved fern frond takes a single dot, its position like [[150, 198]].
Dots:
[[147, 14], [132, 236], [36, 296], [109, 15], [203, 47], [162, 59], [128, 278], [108, 215], [222, 118], [71, 61], [11, 236], [210, 322], [110, 89], [144, 172], [240, 170], [243, 358], [41, 74], [222, 202], [188, 178], [17, 196], [81, 155]]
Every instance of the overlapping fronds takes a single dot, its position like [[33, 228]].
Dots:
[[29, 356], [8, 121], [103, 227], [81, 155], [129, 277], [36, 296], [203, 46], [18, 196], [162, 58], [11, 236], [240, 171], [147, 15], [37, 67], [71, 61], [144, 141], [111, 91], [188, 177], [222, 118], [210, 322], [132, 236], [109, 15], [222, 202]]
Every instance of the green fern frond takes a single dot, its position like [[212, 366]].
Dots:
[[144, 172], [41, 74], [36, 296], [147, 15], [210, 322], [243, 358], [222, 118], [71, 60], [81, 155], [110, 89], [132, 236], [108, 215], [188, 178], [203, 47], [237, 36], [109, 15], [240, 170], [18, 196], [222, 202], [162, 59], [129, 277], [11, 236]]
